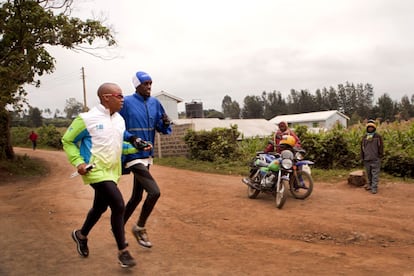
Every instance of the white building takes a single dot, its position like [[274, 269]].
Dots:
[[315, 121], [170, 104], [249, 128]]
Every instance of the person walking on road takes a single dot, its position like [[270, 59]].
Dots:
[[33, 137], [96, 137]]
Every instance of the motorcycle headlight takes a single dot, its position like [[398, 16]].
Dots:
[[287, 159], [287, 164], [286, 154]]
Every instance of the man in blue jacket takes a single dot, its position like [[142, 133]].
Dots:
[[143, 115]]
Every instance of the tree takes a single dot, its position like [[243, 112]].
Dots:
[[364, 98], [405, 108], [231, 109], [301, 101], [385, 108], [47, 111], [73, 108], [35, 117], [274, 105], [253, 107], [57, 112], [26, 27], [212, 113]]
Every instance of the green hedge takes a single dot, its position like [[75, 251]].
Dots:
[[49, 137], [338, 148]]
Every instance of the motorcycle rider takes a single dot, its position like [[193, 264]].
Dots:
[[287, 142], [283, 130]]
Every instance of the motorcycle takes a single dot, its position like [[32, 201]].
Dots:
[[275, 173]]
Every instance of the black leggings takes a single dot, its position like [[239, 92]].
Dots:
[[142, 181], [107, 194]]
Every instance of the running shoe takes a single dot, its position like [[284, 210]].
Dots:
[[126, 260], [81, 244], [141, 235]]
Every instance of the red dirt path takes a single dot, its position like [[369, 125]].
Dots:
[[204, 224]]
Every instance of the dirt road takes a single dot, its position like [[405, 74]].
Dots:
[[204, 224]]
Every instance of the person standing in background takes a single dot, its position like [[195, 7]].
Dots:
[[144, 115], [33, 137], [372, 150]]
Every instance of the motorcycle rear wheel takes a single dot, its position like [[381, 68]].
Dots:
[[297, 190], [281, 194]]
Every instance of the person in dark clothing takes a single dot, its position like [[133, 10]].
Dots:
[[144, 116], [372, 150]]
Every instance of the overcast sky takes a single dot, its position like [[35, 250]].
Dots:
[[204, 50]]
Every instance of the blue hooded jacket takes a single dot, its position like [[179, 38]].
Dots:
[[143, 116]]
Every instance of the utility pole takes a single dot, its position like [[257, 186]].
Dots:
[[85, 107]]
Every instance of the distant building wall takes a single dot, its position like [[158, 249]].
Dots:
[[194, 110], [172, 145], [170, 106]]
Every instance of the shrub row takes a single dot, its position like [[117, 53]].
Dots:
[[338, 148]]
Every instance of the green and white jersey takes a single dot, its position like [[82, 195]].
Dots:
[[96, 137]]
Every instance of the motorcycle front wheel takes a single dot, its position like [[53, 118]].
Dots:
[[301, 185], [281, 194], [252, 192]]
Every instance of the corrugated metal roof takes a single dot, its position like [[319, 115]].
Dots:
[[307, 117], [248, 127]]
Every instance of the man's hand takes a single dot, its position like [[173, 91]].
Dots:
[[166, 120], [140, 144], [84, 168]]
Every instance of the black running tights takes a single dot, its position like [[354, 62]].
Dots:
[[142, 181], [107, 194]]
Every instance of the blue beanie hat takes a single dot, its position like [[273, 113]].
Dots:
[[140, 77]]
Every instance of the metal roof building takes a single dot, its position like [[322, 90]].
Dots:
[[324, 120], [248, 128]]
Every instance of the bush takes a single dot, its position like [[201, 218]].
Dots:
[[338, 148], [215, 145], [49, 137]]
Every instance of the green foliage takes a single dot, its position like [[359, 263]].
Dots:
[[337, 149], [72, 108], [26, 27], [23, 165], [49, 137], [231, 109], [35, 117], [398, 149], [20, 136], [248, 146], [253, 107], [214, 145], [226, 168]]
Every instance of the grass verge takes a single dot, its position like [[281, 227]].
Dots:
[[22, 166], [242, 169]]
